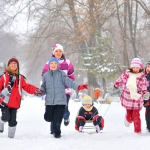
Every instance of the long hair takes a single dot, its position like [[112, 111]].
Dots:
[[131, 70]]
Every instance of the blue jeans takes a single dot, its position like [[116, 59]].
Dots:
[[66, 114]]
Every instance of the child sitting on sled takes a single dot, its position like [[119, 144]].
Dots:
[[88, 113]]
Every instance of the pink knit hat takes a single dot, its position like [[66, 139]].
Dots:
[[57, 46], [136, 62]]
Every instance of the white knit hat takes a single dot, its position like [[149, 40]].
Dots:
[[57, 46], [136, 62]]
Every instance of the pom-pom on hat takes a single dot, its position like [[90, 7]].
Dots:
[[13, 59], [87, 100], [136, 62], [53, 59], [57, 46]]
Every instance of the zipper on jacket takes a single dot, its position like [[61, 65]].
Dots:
[[53, 87]]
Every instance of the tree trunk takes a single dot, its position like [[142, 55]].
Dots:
[[90, 83], [104, 86]]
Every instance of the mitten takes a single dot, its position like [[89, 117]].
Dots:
[[115, 89], [146, 96], [146, 103], [80, 128], [82, 87], [3, 104], [38, 92]]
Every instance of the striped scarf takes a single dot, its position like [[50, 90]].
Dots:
[[7, 91]]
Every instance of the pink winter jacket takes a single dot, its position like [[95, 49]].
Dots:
[[126, 99], [66, 66]]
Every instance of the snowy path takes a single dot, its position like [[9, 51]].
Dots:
[[33, 132]]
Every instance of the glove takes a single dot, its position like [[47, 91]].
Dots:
[[82, 87], [38, 92], [146, 103], [146, 96], [3, 104], [115, 89]]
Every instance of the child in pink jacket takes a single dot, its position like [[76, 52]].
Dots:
[[134, 91]]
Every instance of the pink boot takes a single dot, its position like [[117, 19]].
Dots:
[[97, 128], [80, 128]]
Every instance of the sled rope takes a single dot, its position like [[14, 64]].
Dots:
[[108, 107], [100, 107]]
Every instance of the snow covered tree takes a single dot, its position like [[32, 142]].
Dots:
[[100, 60]]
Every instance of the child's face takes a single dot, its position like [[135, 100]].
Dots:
[[13, 65], [58, 53], [87, 105], [136, 69], [53, 65], [148, 68]]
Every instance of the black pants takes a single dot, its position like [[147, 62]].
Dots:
[[54, 113], [81, 122], [10, 115], [148, 117]]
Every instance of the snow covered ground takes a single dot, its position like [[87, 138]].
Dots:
[[33, 132]]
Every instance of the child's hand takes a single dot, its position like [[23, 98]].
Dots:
[[146, 103], [146, 96], [115, 89], [38, 92], [82, 87], [3, 104]]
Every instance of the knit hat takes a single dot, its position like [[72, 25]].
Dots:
[[87, 100], [148, 63], [57, 46], [136, 62], [13, 59], [53, 59]]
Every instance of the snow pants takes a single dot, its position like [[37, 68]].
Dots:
[[9, 115], [134, 116], [97, 120], [67, 113], [54, 113], [147, 117]]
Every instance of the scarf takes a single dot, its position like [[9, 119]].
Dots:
[[7, 91], [131, 85]]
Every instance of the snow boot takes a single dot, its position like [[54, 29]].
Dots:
[[57, 135], [97, 128], [2, 125], [80, 128], [11, 132], [127, 124], [66, 122]]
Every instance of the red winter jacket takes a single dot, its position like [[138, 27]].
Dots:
[[15, 97]]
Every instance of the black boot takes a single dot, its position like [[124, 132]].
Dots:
[[66, 122], [57, 135]]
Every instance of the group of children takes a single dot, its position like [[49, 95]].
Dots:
[[135, 89]]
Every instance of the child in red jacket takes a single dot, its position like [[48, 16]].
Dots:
[[11, 85]]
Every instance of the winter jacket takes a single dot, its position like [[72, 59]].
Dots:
[[53, 86], [66, 66], [87, 114], [15, 96], [126, 99], [148, 81]]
